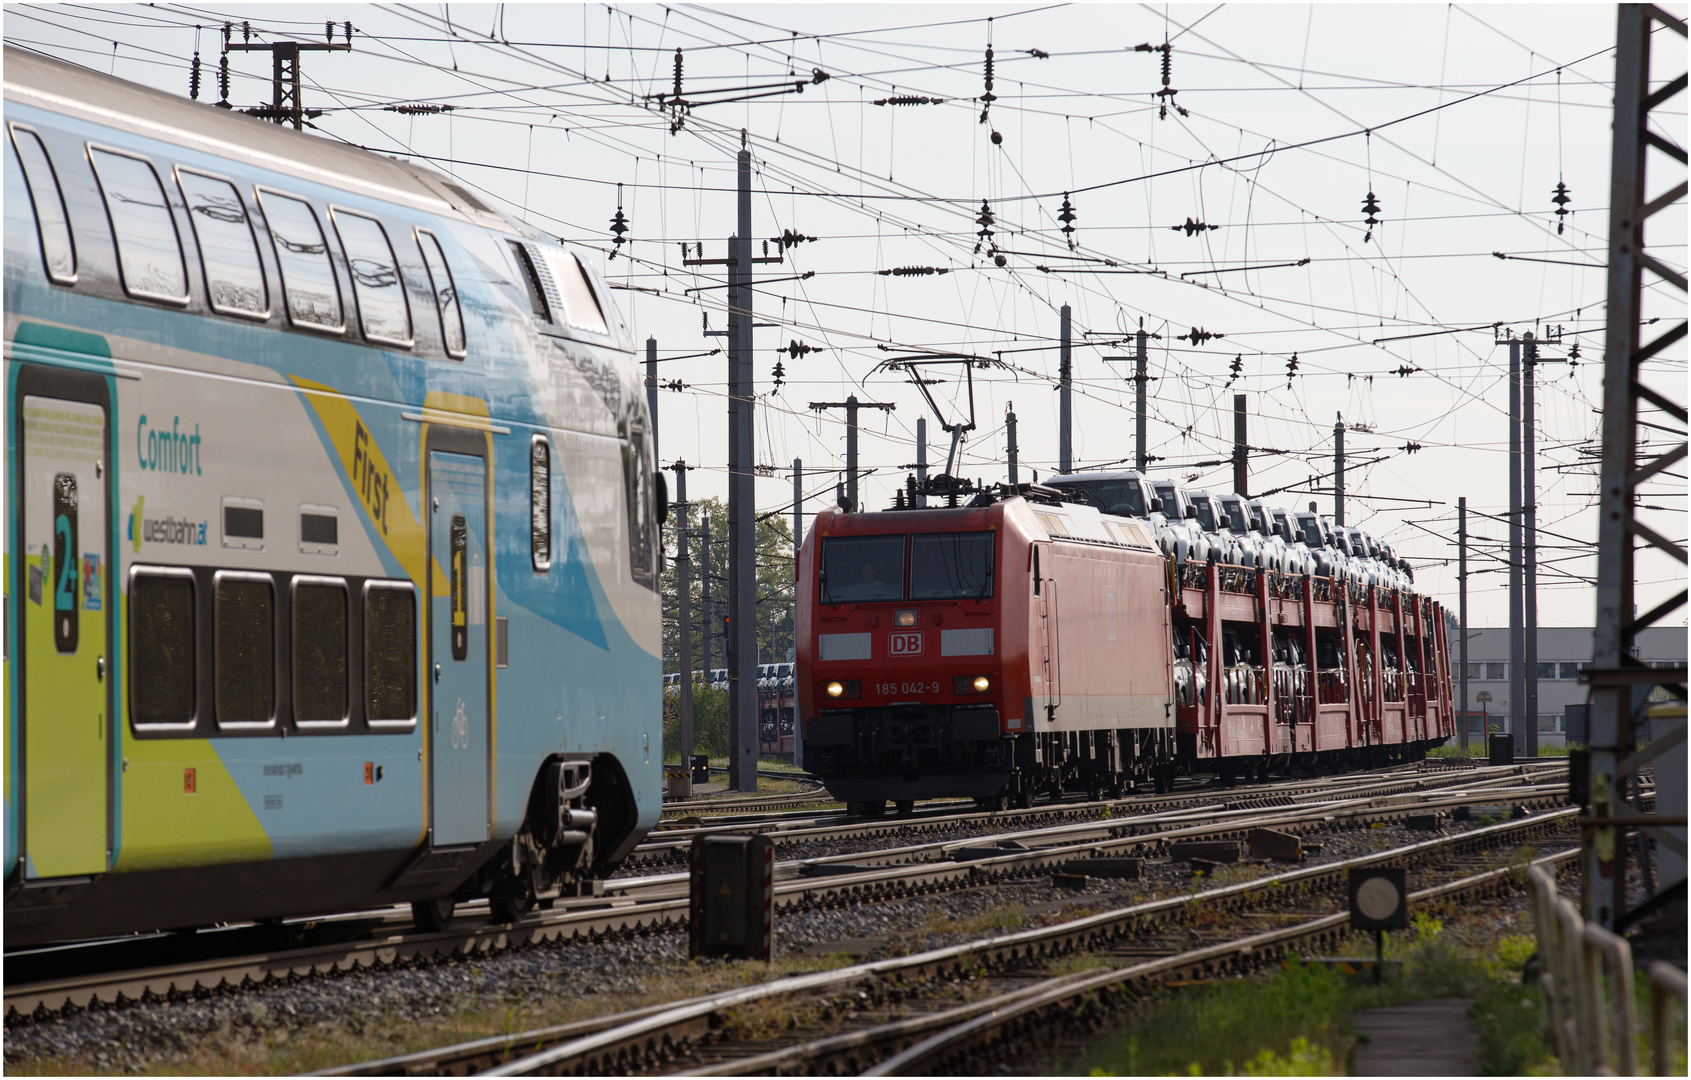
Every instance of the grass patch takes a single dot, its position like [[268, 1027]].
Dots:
[[1298, 1020], [994, 920]]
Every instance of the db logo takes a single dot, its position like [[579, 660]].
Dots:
[[905, 644]]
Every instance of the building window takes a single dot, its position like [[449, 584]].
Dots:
[[161, 648], [320, 652], [390, 653], [149, 253], [540, 503], [308, 277], [58, 250], [244, 656], [383, 312], [1546, 671], [445, 294], [1497, 671], [1569, 670], [228, 251]]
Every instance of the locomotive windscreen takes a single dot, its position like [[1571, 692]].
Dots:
[[951, 566], [856, 569]]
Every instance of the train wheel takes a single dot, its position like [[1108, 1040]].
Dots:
[[432, 916], [1160, 780], [1023, 800], [510, 907], [905, 807]]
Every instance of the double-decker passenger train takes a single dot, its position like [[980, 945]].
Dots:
[[331, 543], [1043, 639]]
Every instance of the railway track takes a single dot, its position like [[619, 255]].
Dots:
[[999, 980], [670, 845], [659, 903]]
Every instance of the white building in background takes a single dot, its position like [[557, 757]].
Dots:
[[1562, 650]]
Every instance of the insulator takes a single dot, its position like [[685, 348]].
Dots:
[[1168, 62], [329, 31], [246, 30], [914, 271], [1067, 215], [619, 225], [989, 68], [789, 238], [780, 374], [1370, 207], [223, 81], [986, 220], [796, 349], [418, 108], [1192, 227], [194, 77], [1410, 448], [678, 71], [1198, 336], [910, 99], [347, 26], [1561, 198], [228, 29]]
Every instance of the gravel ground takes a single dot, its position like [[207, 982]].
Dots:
[[148, 1036]]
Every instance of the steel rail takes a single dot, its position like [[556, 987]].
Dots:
[[664, 905], [643, 1042], [978, 1024], [670, 844]]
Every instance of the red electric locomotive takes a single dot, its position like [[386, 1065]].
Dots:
[[1024, 645]]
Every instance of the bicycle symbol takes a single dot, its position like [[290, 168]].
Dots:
[[460, 728]]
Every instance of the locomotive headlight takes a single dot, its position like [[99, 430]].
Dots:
[[904, 617], [844, 688], [982, 684], [836, 689], [967, 684]]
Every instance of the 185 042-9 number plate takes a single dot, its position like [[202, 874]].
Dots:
[[907, 688]]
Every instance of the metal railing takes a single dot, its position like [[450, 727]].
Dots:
[[1586, 980]]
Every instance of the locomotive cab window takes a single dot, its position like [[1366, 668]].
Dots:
[[860, 569], [308, 278], [951, 566], [390, 654], [162, 675], [383, 312], [149, 253], [540, 503], [581, 306], [228, 251], [320, 652], [52, 224], [445, 294], [244, 653], [640, 502]]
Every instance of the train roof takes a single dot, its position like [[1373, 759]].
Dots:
[[58, 87]]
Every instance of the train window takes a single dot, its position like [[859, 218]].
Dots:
[[383, 311], [859, 569], [390, 653], [445, 294], [319, 530], [540, 503], [58, 250], [149, 253], [244, 652], [308, 278], [951, 566], [67, 564], [638, 498], [531, 282], [162, 678], [320, 641], [243, 523], [581, 306], [228, 251]]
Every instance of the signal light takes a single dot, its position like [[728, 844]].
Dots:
[[904, 617]]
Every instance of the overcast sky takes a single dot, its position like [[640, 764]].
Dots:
[[1461, 120]]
